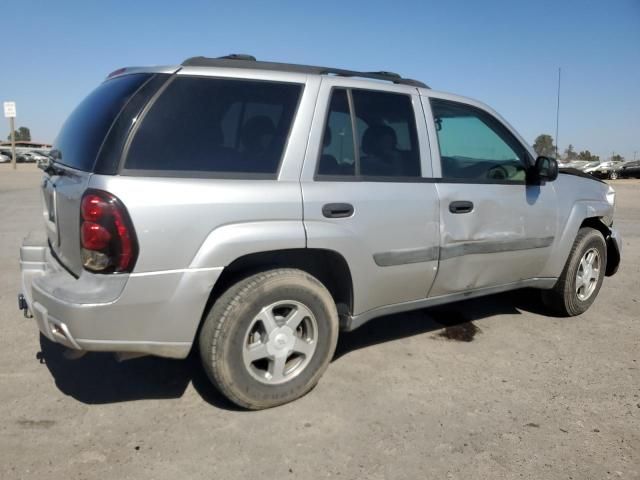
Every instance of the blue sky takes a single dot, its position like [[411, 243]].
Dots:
[[505, 53]]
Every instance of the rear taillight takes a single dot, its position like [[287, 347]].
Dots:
[[107, 237]]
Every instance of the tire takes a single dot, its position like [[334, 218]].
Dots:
[[252, 319], [613, 175], [565, 298]]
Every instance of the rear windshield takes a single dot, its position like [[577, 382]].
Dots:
[[82, 134], [217, 126]]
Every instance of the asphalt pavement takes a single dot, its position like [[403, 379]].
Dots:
[[486, 389]]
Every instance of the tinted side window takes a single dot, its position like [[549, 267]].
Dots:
[[475, 145], [386, 143], [84, 131], [216, 125], [338, 152]]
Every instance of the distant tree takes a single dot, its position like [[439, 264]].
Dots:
[[25, 134], [544, 145], [22, 134], [570, 154], [617, 158], [588, 156]]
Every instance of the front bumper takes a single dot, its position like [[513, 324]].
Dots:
[[156, 313]]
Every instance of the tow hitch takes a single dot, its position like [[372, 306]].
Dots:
[[22, 305]]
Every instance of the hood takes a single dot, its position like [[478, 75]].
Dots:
[[579, 173]]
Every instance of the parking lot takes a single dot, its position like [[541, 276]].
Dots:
[[406, 397]]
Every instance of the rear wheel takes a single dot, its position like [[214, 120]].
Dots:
[[269, 338], [613, 175], [582, 276]]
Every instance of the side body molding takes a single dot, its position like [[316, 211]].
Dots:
[[229, 242]]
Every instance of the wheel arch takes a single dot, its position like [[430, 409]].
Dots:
[[613, 254], [328, 266], [586, 213]]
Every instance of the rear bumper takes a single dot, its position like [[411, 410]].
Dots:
[[151, 312]]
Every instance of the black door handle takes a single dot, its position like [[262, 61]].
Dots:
[[461, 206], [337, 210]]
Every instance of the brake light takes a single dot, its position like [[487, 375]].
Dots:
[[116, 72], [94, 236], [107, 237]]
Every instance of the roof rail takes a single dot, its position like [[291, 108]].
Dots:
[[239, 56], [240, 60]]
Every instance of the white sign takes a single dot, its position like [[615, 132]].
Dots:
[[9, 109]]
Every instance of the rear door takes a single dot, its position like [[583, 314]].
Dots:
[[495, 228], [364, 189], [75, 151]]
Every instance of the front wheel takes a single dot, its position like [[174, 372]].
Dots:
[[582, 276], [269, 338]]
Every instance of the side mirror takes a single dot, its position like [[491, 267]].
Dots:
[[545, 169]]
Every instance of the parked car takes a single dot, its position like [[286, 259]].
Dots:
[[31, 157], [253, 209], [631, 169], [7, 153], [4, 158], [39, 157], [610, 170], [575, 164]]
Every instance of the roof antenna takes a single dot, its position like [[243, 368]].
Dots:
[[558, 112]]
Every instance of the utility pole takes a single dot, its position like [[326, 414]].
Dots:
[[12, 127], [558, 112], [10, 113]]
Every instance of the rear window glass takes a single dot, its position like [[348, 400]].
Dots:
[[216, 125], [82, 134]]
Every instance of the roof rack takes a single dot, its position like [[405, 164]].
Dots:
[[240, 60]]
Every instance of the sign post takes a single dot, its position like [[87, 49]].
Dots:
[[10, 113]]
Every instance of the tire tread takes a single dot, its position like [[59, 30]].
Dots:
[[561, 298], [214, 325]]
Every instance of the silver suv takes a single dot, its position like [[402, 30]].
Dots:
[[253, 209]]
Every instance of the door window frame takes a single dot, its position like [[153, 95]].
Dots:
[[527, 162], [357, 177]]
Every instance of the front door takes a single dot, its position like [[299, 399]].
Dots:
[[364, 191], [495, 228]]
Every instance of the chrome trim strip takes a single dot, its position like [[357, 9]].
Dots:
[[428, 254], [471, 248], [402, 257]]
